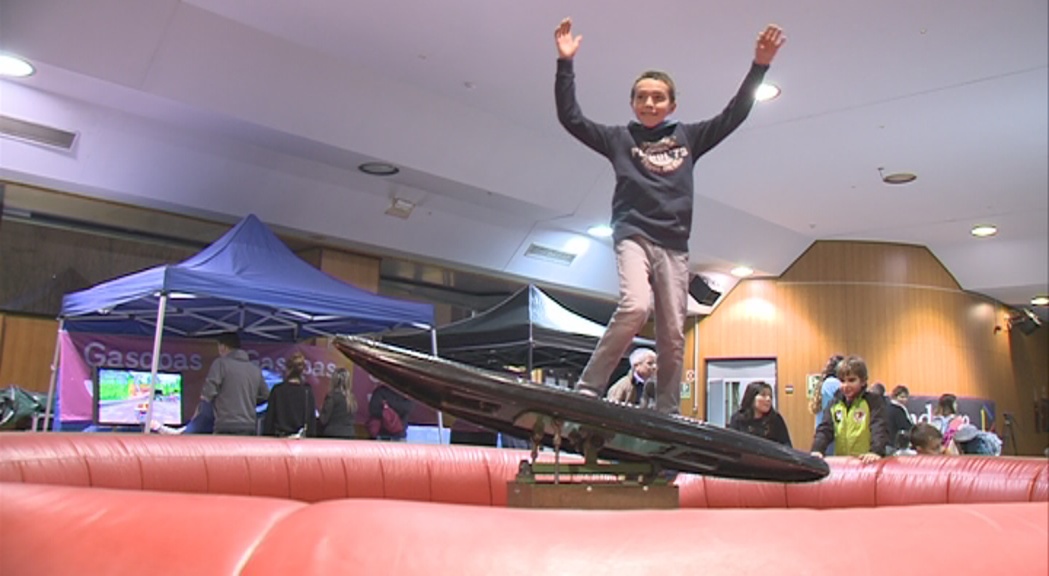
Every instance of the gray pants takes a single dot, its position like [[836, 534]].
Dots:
[[647, 273]]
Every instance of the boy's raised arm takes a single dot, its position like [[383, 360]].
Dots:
[[567, 45], [768, 44], [568, 113]]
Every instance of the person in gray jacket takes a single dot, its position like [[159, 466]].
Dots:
[[234, 387]]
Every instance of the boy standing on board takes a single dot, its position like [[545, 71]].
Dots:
[[652, 205]]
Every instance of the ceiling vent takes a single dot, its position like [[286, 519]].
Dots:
[[550, 254], [37, 133]]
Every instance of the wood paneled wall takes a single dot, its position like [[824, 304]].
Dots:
[[39, 264], [897, 307], [27, 346], [357, 269]]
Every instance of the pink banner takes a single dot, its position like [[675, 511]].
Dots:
[[82, 353]]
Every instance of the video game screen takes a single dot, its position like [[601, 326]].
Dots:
[[122, 397]]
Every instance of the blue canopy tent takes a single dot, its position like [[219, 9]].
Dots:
[[248, 281]]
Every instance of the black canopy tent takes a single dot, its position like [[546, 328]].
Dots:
[[529, 329]]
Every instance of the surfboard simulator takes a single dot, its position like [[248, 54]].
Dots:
[[593, 427]]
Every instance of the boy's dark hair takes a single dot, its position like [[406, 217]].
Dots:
[[900, 390], [925, 434], [878, 388], [230, 340], [655, 75], [853, 365]]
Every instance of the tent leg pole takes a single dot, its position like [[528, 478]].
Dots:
[[695, 367], [54, 377], [158, 335], [440, 415]]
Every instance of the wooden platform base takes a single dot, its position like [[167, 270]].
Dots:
[[590, 496]]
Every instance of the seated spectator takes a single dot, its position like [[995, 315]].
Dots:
[[946, 417], [855, 419], [630, 389], [971, 440], [756, 415], [926, 439], [339, 411]]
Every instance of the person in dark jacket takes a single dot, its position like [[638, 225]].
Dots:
[[339, 411], [855, 420], [292, 409], [900, 422], [401, 405], [757, 416]]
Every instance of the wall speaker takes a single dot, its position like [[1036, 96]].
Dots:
[[702, 292], [1026, 322]]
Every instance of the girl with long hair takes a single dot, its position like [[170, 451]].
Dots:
[[339, 411], [756, 415]]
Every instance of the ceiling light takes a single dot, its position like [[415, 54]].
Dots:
[[378, 168], [742, 271], [766, 92], [984, 230], [400, 208], [600, 231], [577, 245], [897, 177], [14, 66], [1040, 301]]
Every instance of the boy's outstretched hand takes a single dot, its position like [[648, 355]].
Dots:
[[566, 43], [769, 42], [869, 457]]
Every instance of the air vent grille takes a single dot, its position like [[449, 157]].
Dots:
[[36, 133], [549, 254]]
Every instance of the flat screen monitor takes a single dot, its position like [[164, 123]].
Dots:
[[122, 397]]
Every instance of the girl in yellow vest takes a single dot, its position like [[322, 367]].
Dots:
[[855, 420]]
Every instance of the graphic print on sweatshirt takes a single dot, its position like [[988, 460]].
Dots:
[[662, 156]]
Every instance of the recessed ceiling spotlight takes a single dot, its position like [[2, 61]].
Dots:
[[742, 271], [766, 92], [897, 177], [577, 245], [1040, 301], [600, 231], [984, 230], [15, 67], [378, 168]]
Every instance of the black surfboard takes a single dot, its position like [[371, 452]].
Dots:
[[513, 405]]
